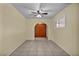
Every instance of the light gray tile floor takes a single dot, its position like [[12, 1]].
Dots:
[[39, 48]]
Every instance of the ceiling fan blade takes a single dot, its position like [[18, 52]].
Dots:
[[45, 13], [35, 12]]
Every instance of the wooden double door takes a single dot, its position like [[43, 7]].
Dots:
[[40, 30]]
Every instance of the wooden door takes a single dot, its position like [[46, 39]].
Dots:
[[40, 30]]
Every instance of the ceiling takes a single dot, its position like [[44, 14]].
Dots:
[[52, 9]]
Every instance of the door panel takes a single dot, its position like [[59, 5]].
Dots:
[[40, 30]]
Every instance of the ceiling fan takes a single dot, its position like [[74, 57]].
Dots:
[[39, 12]]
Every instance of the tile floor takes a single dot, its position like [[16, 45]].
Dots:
[[39, 48]]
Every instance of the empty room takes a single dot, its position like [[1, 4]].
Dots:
[[39, 29]]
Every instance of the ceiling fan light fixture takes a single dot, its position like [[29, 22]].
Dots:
[[38, 16]]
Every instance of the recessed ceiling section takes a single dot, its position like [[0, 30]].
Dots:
[[39, 10]]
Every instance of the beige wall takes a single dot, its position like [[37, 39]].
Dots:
[[67, 37], [14, 27], [1, 13]]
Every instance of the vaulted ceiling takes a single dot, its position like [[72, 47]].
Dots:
[[28, 9]]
